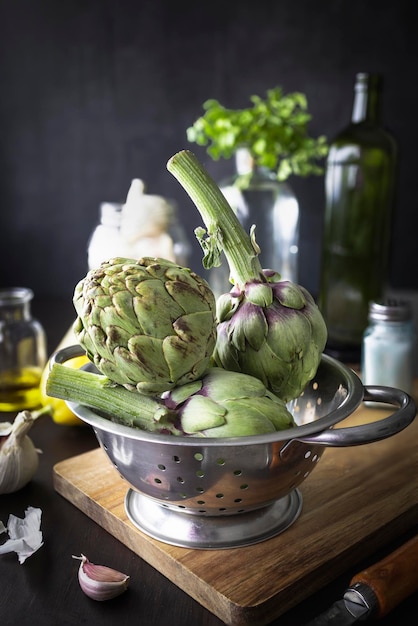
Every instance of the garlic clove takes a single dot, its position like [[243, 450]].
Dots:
[[18, 456], [100, 582]]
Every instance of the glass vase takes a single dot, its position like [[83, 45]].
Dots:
[[257, 197]]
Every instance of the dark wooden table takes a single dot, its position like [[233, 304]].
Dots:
[[45, 590]]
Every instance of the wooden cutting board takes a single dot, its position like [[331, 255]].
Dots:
[[357, 500]]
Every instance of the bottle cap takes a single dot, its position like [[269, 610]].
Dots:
[[390, 311], [364, 80]]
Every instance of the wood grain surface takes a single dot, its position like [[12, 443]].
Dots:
[[356, 500]]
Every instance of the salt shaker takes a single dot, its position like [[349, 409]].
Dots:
[[105, 241], [389, 346], [23, 351]]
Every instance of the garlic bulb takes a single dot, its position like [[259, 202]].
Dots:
[[18, 456], [100, 582]]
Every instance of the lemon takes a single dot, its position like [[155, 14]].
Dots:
[[60, 412]]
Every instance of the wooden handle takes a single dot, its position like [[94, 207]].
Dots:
[[394, 578]]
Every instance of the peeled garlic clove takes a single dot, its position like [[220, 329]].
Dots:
[[100, 582]]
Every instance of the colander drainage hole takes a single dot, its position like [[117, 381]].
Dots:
[[162, 467]]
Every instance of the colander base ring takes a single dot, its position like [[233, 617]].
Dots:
[[212, 532]]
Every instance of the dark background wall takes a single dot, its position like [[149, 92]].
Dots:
[[96, 92]]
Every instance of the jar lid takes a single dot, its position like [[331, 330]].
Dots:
[[10, 296], [390, 311]]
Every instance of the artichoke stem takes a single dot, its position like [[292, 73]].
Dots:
[[219, 218], [117, 403]]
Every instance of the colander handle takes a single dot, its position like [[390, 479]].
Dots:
[[374, 431], [65, 354]]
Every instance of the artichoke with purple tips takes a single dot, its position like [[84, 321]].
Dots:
[[148, 325], [228, 404], [267, 328]]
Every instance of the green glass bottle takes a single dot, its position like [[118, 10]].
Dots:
[[359, 194]]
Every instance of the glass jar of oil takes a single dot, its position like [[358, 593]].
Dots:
[[23, 351]]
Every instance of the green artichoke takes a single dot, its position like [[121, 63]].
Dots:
[[267, 328], [220, 404], [273, 331], [227, 404], [148, 325]]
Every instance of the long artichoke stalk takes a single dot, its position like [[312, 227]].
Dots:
[[224, 231], [113, 401], [268, 328]]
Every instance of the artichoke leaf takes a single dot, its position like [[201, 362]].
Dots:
[[154, 310], [277, 412], [180, 394], [197, 325], [248, 328], [255, 326], [290, 333], [109, 369], [242, 420], [267, 367], [125, 369], [156, 266], [226, 305], [290, 295], [260, 294], [220, 385], [182, 361], [201, 413], [181, 293], [96, 339], [123, 306], [226, 355]]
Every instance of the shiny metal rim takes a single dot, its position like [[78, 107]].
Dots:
[[212, 532]]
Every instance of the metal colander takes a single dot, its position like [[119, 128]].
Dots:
[[229, 492]]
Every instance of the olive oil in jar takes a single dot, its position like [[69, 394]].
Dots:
[[23, 351], [20, 388]]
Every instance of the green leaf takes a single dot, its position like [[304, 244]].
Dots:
[[273, 129]]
